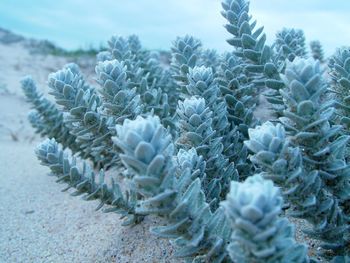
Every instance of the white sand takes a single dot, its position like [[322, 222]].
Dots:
[[38, 222]]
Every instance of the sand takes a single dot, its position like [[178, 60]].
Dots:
[[38, 222]]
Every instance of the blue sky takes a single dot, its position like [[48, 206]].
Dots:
[[78, 23]]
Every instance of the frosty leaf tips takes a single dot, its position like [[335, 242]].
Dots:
[[46, 118], [259, 234], [67, 169], [290, 43]]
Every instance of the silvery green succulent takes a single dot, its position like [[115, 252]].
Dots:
[[134, 44], [272, 152], [169, 87], [210, 58], [249, 43], [195, 124], [190, 167], [259, 234], [307, 118], [206, 102], [198, 234], [148, 155], [140, 63], [66, 84], [46, 118], [201, 83], [155, 101], [196, 130], [103, 55], [38, 123], [144, 139], [309, 122], [282, 163], [216, 234], [317, 50], [290, 43], [119, 48], [147, 152], [120, 101], [238, 93], [185, 55], [339, 65], [85, 181], [143, 80], [148, 61], [82, 104]]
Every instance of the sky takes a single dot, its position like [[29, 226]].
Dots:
[[81, 23]]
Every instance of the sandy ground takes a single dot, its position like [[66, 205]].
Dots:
[[38, 222]]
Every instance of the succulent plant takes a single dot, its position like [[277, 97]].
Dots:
[[259, 234], [290, 43], [339, 65], [187, 138], [259, 61], [283, 164], [144, 86], [46, 118], [317, 50], [238, 93], [103, 55], [67, 170], [308, 121], [119, 100], [82, 104], [248, 41], [196, 131], [201, 83], [147, 154], [209, 58], [120, 50], [185, 55]]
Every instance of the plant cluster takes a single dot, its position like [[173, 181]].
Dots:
[[290, 43], [317, 50], [192, 150]]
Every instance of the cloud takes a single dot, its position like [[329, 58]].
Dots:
[[74, 23], [326, 21]]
